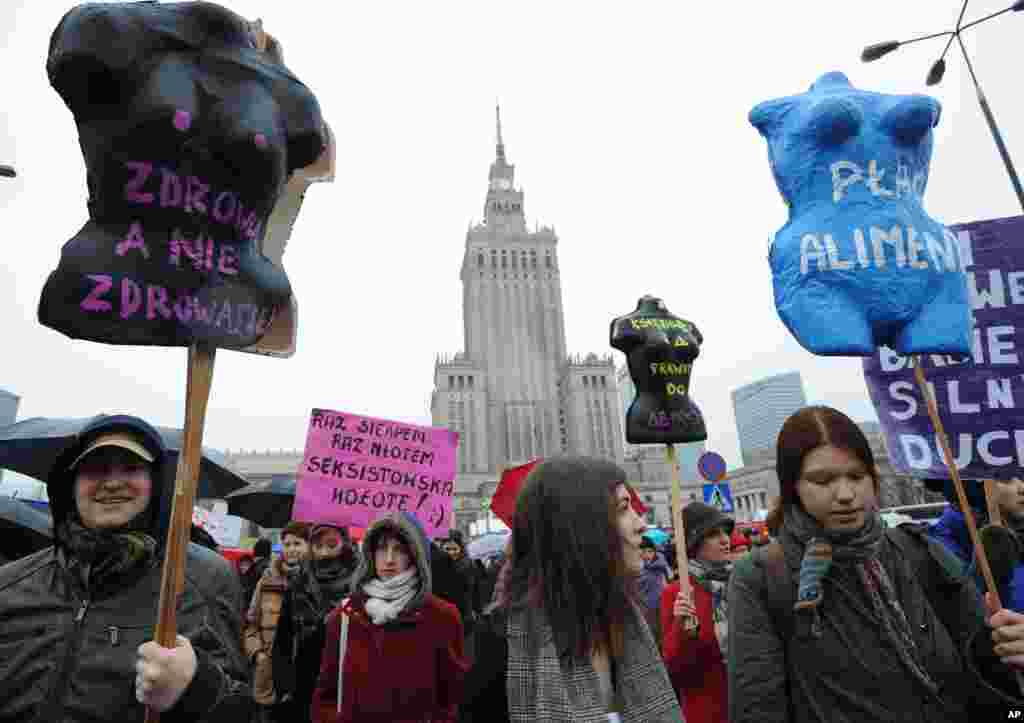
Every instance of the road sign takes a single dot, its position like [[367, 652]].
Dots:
[[711, 466], [719, 495]]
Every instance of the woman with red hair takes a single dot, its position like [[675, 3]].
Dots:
[[844, 619]]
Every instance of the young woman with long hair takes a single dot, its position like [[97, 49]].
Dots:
[[843, 619], [567, 640]]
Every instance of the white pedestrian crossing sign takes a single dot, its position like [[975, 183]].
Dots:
[[719, 495]]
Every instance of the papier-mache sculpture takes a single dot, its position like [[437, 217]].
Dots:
[[198, 143], [660, 349], [860, 264]]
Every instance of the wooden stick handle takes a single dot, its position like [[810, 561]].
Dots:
[[197, 394], [972, 528], [995, 517], [682, 562]]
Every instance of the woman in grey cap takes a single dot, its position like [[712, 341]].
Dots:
[[77, 619]]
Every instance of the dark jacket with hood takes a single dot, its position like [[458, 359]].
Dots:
[[68, 647], [313, 591], [409, 669]]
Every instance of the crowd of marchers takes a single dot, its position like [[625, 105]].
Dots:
[[838, 618]]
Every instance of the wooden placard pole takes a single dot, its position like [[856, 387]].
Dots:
[[972, 527], [682, 562], [197, 394], [995, 517]]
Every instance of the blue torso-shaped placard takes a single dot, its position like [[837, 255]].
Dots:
[[860, 263]]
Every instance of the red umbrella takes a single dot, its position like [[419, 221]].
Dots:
[[503, 504]]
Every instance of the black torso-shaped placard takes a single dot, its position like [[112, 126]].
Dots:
[[189, 133], [660, 349]]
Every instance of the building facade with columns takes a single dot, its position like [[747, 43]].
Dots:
[[514, 393]]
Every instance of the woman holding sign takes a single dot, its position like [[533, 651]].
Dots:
[[394, 651], [567, 640], [845, 620], [696, 659]]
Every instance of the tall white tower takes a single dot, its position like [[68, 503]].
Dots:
[[514, 394]]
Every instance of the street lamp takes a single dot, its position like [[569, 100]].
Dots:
[[938, 69], [7, 171]]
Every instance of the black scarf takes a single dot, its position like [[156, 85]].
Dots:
[[317, 586], [105, 559]]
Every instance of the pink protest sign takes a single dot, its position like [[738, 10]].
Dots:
[[356, 468]]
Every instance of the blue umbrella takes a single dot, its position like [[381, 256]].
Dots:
[[30, 447], [23, 529], [488, 545], [268, 504], [656, 535]]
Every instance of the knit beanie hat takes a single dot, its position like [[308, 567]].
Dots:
[[261, 548], [700, 520]]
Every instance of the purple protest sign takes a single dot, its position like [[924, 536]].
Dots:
[[356, 468], [976, 396]]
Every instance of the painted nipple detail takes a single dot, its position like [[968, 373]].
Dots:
[[182, 120]]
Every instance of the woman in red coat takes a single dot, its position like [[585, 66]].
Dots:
[[697, 664], [402, 647]]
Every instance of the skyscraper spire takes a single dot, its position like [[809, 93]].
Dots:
[[500, 142]]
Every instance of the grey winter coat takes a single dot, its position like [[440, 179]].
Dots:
[[851, 674], [67, 658]]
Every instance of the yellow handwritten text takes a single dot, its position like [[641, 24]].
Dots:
[[670, 369], [659, 324]]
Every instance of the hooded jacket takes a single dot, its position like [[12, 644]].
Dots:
[[410, 669], [68, 649]]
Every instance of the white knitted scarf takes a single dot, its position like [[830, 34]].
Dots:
[[388, 598]]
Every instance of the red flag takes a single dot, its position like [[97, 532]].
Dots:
[[503, 504]]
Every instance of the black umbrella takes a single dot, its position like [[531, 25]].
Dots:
[[268, 504], [31, 446], [23, 529]]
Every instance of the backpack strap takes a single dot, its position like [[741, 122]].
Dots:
[[779, 587], [936, 573]]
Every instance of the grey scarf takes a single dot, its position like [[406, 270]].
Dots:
[[860, 548], [543, 687], [714, 577]]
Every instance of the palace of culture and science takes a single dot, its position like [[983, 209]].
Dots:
[[514, 394]]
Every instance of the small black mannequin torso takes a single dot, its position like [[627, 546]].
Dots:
[[660, 349]]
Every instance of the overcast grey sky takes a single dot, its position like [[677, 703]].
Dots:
[[627, 124]]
